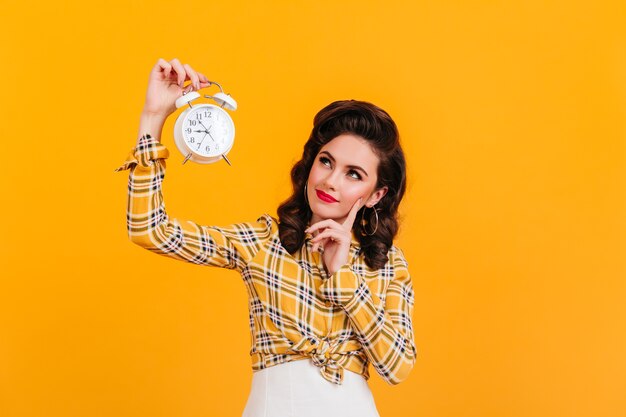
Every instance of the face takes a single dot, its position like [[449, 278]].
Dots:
[[344, 170]]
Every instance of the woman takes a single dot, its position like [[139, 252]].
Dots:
[[328, 292]]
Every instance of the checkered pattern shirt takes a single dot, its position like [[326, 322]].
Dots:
[[297, 311]]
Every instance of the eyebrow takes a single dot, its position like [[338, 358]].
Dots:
[[356, 167]]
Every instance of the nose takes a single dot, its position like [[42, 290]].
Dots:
[[332, 180]]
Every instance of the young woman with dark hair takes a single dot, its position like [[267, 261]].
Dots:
[[328, 292]]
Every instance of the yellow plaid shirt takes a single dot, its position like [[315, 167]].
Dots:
[[344, 321]]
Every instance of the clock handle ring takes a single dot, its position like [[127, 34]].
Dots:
[[216, 83]]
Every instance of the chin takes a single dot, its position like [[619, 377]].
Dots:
[[326, 212]]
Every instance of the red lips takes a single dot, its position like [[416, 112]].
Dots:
[[325, 197]]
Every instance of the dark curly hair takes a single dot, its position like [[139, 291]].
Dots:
[[373, 124]]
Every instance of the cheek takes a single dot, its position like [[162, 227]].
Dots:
[[352, 191], [315, 175]]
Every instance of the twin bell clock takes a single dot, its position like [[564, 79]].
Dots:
[[205, 133]]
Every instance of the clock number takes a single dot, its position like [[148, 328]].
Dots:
[[198, 116], [207, 114], [208, 148], [192, 140], [192, 122]]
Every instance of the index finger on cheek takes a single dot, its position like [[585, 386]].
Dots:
[[357, 205]]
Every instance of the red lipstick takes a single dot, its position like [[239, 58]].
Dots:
[[325, 197]]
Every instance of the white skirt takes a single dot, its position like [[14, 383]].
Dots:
[[297, 389]]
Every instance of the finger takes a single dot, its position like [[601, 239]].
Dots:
[[349, 222], [203, 78], [319, 245], [193, 76], [163, 69], [321, 225], [164, 66], [330, 234], [180, 71]]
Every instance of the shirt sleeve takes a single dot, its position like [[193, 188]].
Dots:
[[150, 227], [384, 328]]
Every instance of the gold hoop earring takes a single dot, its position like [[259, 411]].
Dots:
[[364, 222]]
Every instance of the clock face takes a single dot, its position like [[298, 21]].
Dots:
[[208, 130]]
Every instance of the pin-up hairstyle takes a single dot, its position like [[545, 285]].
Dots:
[[373, 124]]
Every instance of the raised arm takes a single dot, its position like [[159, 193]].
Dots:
[[148, 223]]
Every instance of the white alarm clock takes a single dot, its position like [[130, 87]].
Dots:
[[205, 133]]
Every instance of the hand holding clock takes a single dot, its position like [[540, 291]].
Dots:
[[165, 85], [167, 92]]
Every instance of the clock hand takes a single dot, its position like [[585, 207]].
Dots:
[[205, 129], [200, 144]]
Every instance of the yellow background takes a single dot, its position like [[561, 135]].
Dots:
[[512, 115]]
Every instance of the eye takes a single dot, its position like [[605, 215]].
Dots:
[[354, 174], [325, 160]]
